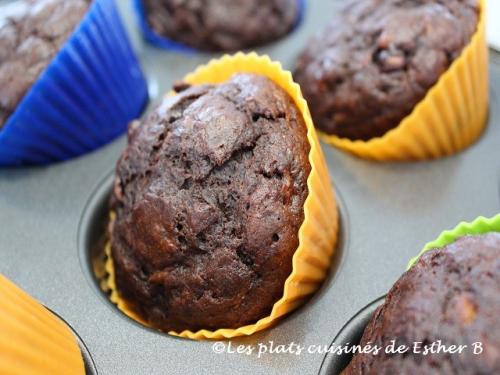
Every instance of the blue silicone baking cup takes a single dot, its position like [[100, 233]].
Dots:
[[85, 98], [168, 44]]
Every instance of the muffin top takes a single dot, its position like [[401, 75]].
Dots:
[[451, 294], [376, 60], [209, 199], [31, 34], [222, 25]]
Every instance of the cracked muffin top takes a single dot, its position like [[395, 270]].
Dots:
[[209, 198], [451, 294], [222, 25], [377, 59], [30, 36]]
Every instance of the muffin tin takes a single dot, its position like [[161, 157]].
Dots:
[[51, 219], [350, 334], [88, 362]]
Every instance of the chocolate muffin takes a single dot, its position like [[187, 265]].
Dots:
[[209, 198], [377, 59], [30, 37], [221, 25], [451, 294]]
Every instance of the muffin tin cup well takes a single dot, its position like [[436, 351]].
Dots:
[[450, 117], [85, 98], [171, 45], [92, 241], [88, 361], [32, 339], [318, 232], [350, 334]]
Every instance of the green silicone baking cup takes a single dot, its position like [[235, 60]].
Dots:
[[480, 225]]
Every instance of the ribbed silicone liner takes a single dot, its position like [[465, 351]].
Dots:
[[450, 117], [318, 232], [32, 339], [480, 225], [85, 98], [168, 44]]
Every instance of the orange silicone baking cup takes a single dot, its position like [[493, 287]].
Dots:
[[32, 339], [318, 232], [450, 117]]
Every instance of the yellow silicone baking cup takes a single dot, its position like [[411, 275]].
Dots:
[[32, 339], [450, 117], [318, 232], [480, 225]]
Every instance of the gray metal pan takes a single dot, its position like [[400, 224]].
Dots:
[[50, 218]]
